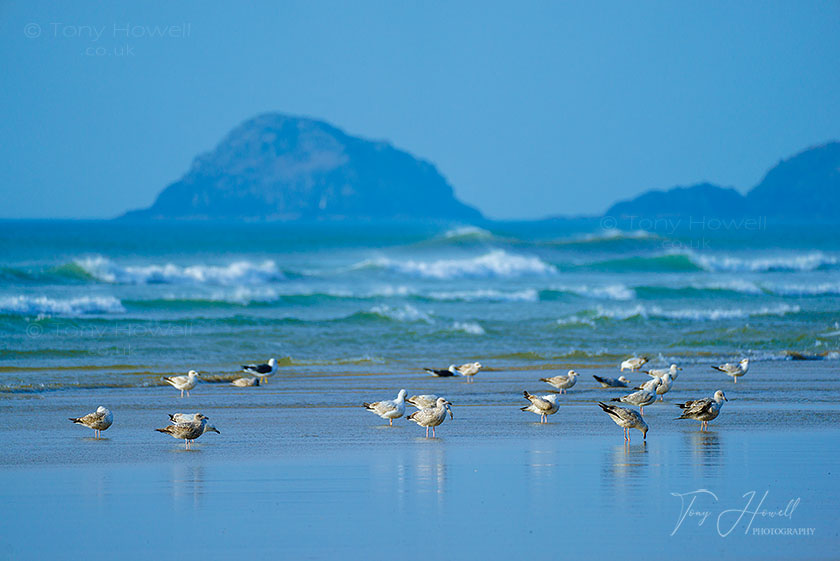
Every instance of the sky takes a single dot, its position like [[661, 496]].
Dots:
[[529, 109]]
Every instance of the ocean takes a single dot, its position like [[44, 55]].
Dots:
[[113, 304]]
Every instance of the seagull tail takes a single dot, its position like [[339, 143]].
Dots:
[[613, 399], [718, 369], [543, 379], [367, 405], [75, 420], [606, 407], [166, 430]]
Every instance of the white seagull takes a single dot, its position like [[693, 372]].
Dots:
[[431, 416], [659, 385], [99, 420], [620, 382], [734, 370], [187, 431], [469, 370], [183, 383], [638, 398], [626, 419], [633, 363], [562, 383], [541, 405], [703, 410], [660, 372], [261, 370], [388, 409], [246, 382]]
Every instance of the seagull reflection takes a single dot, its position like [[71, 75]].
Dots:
[[430, 467], [626, 463], [705, 449], [187, 482]]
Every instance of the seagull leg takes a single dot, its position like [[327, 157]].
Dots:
[[390, 422]]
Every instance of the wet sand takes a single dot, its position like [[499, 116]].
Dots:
[[285, 479]]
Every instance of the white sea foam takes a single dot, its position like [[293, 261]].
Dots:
[[576, 320], [825, 288], [485, 295], [616, 234], [43, 305], [733, 285], [496, 263], [468, 232], [608, 292], [404, 313], [469, 327], [698, 314], [723, 263], [238, 273]]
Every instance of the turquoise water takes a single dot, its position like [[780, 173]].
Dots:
[[93, 304]]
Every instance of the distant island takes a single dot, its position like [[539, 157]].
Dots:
[[279, 167], [803, 187]]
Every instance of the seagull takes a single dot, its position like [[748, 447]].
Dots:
[[703, 410], [261, 370], [99, 420], [658, 373], [187, 431], [626, 419], [634, 363], [469, 370], [650, 385], [431, 416], [246, 382], [562, 383], [446, 373], [178, 418], [620, 382], [734, 370], [183, 383], [425, 401], [664, 385], [388, 409], [541, 405], [639, 398]]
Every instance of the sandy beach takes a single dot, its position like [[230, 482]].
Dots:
[[302, 471]]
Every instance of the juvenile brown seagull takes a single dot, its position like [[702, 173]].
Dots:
[[703, 410], [431, 416], [188, 431], [541, 405], [99, 420], [626, 419], [562, 383]]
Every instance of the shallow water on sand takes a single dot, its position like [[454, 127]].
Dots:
[[287, 479]]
